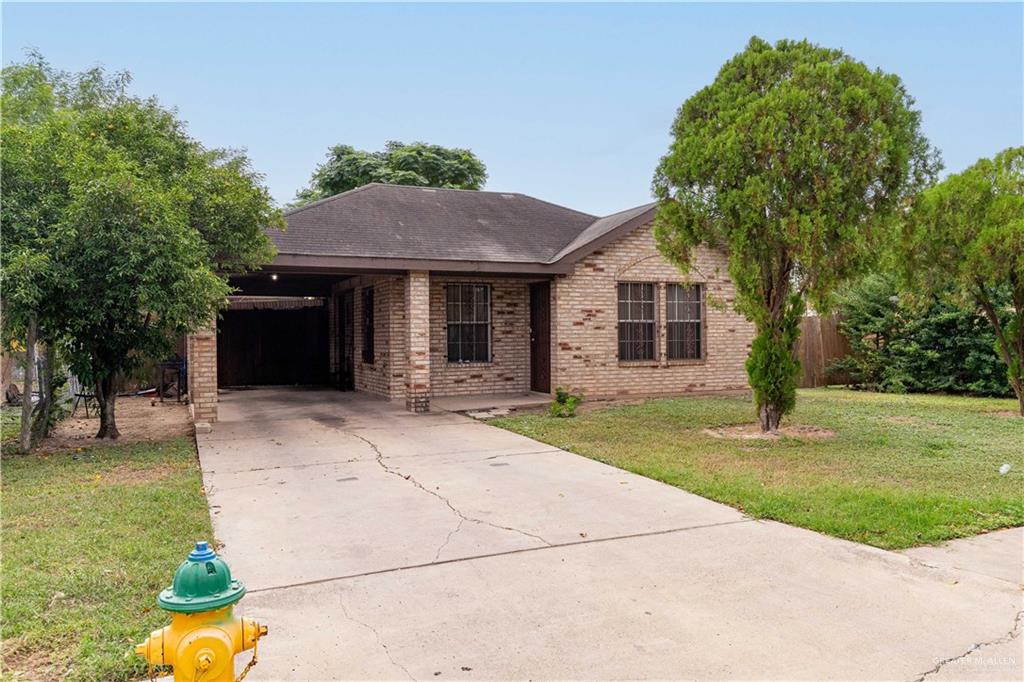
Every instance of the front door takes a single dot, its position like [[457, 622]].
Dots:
[[346, 366], [540, 337]]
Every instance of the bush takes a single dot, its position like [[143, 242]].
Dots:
[[564, 404], [900, 345]]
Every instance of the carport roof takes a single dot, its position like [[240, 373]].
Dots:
[[398, 226]]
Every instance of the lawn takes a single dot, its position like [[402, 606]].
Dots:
[[900, 471], [89, 538]]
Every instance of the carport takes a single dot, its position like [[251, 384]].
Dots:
[[274, 341], [286, 329]]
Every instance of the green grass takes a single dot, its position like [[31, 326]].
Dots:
[[89, 539], [901, 470], [10, 422]]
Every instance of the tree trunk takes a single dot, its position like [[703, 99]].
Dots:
[[25, 434], [770, 416], [1018, 388], [106, 393], [41, 414], [1011, 350]]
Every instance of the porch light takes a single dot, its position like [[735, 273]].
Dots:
[[273, 276]]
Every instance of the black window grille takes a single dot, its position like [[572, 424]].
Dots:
[[368, 332], [683, 312], [469, 322], [636, 321]]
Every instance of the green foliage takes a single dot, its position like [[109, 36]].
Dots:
[[900, 344], [772, 366], [970, 228], [796, 160], [564, 404], [119, 229], [419, 164]]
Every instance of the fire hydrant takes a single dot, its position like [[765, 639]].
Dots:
[[204, 636]]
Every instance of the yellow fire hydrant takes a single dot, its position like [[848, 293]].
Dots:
[[204, 636]]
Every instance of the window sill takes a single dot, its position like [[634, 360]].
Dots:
[[474, 363], [659, 363]]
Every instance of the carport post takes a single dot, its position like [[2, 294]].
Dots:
[[201, 352], [417, 315]]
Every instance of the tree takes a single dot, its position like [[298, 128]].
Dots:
[[971, 227], [916, 341], [419, 164], [119, 229], [796, 160]]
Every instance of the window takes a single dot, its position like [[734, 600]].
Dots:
[[683, 310], [636, 321], [469, 322], [368, 355]]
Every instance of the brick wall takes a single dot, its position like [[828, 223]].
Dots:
[[201, 355], [509, 370], [584, 327], [386, 374]]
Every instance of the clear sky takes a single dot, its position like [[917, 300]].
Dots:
[[569, 103]]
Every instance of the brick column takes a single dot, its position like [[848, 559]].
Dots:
[[201, 352], [417, 359]]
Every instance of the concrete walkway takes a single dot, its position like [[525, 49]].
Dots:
[[999, 554], [378, 544]]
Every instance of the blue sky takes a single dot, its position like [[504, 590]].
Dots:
[[570, 103]]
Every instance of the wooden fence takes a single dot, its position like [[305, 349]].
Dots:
[[820, 343]]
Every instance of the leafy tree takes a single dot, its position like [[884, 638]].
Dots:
[[796, 160], [971, 227], [904, 342], [119, 229], [419, 164]]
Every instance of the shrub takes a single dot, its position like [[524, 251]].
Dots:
[[564, 404], [901, 345]]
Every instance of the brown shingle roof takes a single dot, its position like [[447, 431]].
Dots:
[[401, 222]]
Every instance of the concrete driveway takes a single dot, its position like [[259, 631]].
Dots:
[[378, 544]]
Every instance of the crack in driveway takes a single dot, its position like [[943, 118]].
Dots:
[[376, 634], [445, 500], [492, 555], [458, 527], [1004, 639]]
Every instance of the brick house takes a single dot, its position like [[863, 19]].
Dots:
[[412, 293]]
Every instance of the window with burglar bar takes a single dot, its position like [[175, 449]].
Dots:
[[683, 312], [469, 322], [368, 330], [636, 321]]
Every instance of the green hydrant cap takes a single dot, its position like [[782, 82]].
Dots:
[[202, 583]]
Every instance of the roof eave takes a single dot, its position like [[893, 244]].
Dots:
[[345, 264]]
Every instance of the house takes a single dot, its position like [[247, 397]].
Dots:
[[413, 293]]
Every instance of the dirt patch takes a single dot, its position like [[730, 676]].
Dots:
[[753, 432], [26, 665], [1008, 414], [138, 420], [123, 474]]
